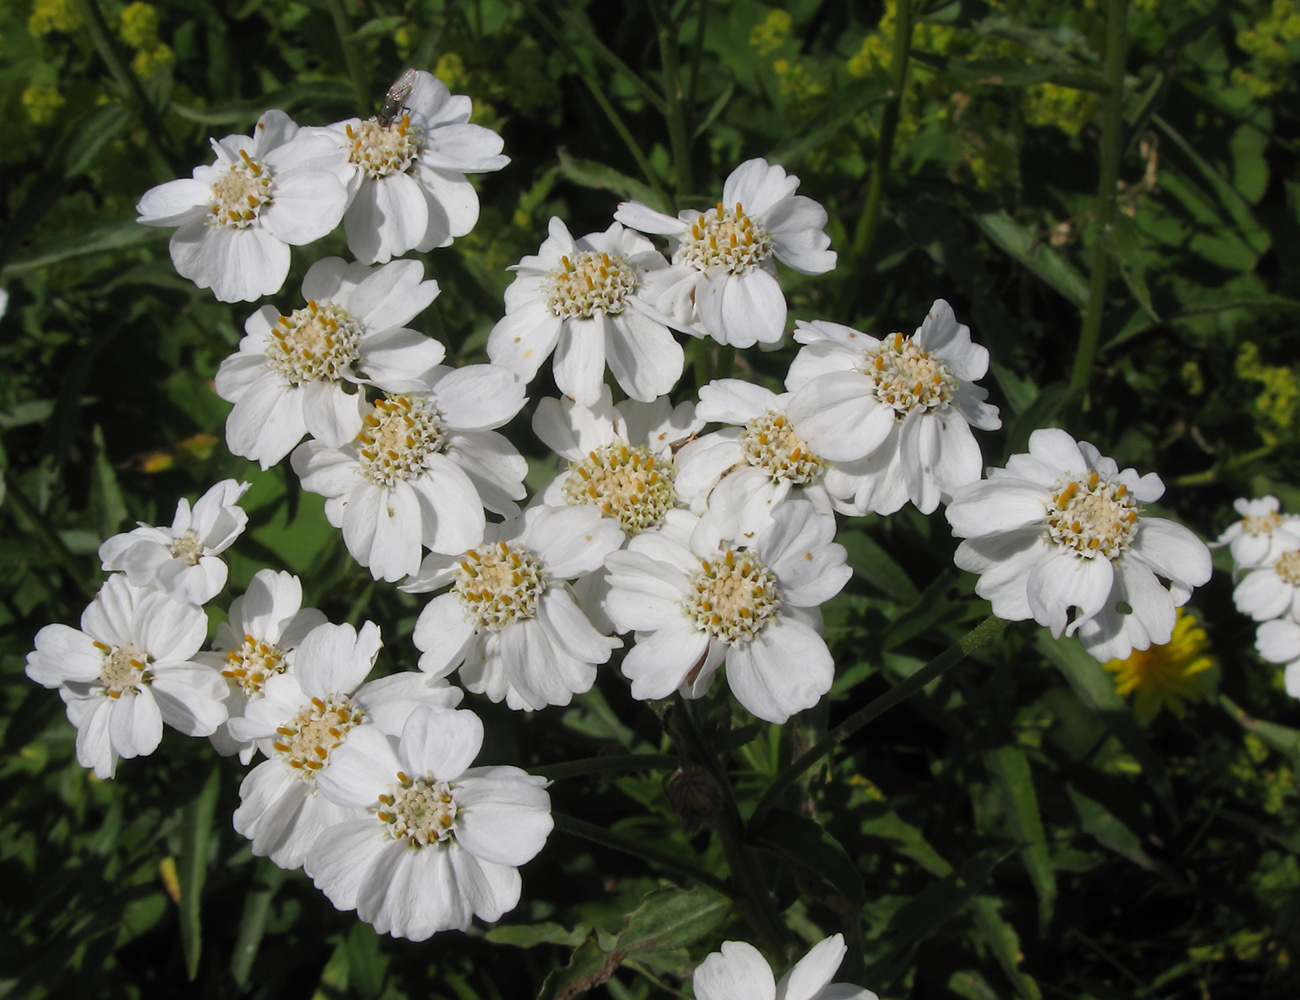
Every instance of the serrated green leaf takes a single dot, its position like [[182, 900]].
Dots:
[[867, 559], [192, 867], [1009, 767], [252, 922], [1035, 254], [1110, 831], [806, 845], [1124, 244], [910, 840], [601, 177], [1004, 942], [588, 967], [119, 234], [531, 935], [673, 918]]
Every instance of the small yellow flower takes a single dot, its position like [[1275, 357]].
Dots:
[[775, 29], [1169, 674], [42, 103], [53, 15]]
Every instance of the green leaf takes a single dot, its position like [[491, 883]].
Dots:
[[805, 845], [671, 918], [1004, 942], [1011, 72], [1009, 768], [970, 985], [367, 966], [869, 561], [105, 494], [118, 234], [1124, 244], [1283, 739], [531, 935], [317, 94], [192, 867], [252, 923], [589, 966], [910, 841], [595, 175], [1110, 831], [840, 109], [1034, 254], [1096, 689]]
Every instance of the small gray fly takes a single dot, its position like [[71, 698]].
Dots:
[[395, 99]]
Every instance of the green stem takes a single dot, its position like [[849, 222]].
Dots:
[[753, 899], [702, 7], [610, 763], [679, 135], [864, 236], [44, 533], [1112, 147], [949, 658], [617, 842], [352, 58], [1212, 474], [132, 89]]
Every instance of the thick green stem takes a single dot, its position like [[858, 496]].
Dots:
[[949, 658], [753, 899], [352, 58], [616, 841], [132, 90], [869, 221], [609, 764], [1112, 147], [679, 135]]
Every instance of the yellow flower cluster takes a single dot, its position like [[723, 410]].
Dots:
[[42, 103], [878, 47], [1169, 675], [138, 28], [1063, 107], [1267, 41], [53, 15], [775, 29], [1276, 405]]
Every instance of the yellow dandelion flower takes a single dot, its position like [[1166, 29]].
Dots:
[[1169, 674]]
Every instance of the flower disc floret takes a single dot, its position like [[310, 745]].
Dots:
[[770, 443], [1288, 567], [587, 283], [317, 342], [253, 664], [627, 482], [125, 669], [1265, 524], [732, 596], [239, 194], [500, 584], [420, 811], [379, 150], [907, 377], [726, 238], [305, 742], [399, 436], [1093, 516], [188, 547]]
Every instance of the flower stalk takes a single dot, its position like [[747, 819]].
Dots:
[[678, 132]]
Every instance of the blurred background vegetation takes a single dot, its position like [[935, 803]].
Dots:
[[1020, 829]]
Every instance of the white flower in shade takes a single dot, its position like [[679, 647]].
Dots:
[[435, 842], [1262, 529], [127, 671], [293, 374], [893, 414], [510, 621], [1272, 590], [581, 300], [722, 282], [423, 469], [183, 559], [1279, 642], [237, 218], [696, 601], [406, 174], [266, 624], [302, 718], [740, 474], [739, 972], [1060, 528]]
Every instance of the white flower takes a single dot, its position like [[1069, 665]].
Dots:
[[443, 842], [740, 474], [739, 972], [722, 281], [696, 601], [299, 722], [127, 671], [1279, 642], [277, 188], [406, 176], [1272, 589], [510, 622], [1262, 528], [182, 560], [291, 375], [423, 469], [893, 414], [266, 625], [581, 299], [1060, 528]]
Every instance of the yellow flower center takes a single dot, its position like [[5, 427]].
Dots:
[[240, 194], [771, 444], [399, 438], [317, 342], [1093, 517], [907, 377], [304, 744], [500, 584], [588, 283], [124, 671], [420, 811], [380, 150], [1288, 567], [253, 664], [1265, 524], [733, 596], [725, 238], [625, 481], [188, 547]]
